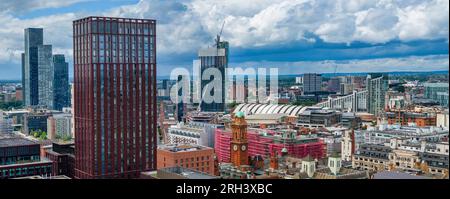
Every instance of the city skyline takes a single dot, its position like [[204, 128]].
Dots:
[[283, 89], [373, 36]]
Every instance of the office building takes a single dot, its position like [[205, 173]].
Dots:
[[60, 83], [197, 133], [45, 76], [62, 154], [35, 121], [432, 89], [319, 118], [20, 157], [371, 157], [33, 38], [442, 98], [115, 97], [312, 82], [59, 126], [5, 123]]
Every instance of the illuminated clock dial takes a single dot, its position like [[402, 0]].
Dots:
[[243, 148], [235, 147]]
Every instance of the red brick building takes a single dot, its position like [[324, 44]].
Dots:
[[199, 158], [405, 117]]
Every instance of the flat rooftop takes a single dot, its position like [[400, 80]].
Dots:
[[182, 147], [38, 177], [396, 175], [187, 173], [9, 142]]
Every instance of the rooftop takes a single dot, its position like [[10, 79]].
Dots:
[[187, 173], [9, 142], [182, 148], [436, 84], [41, 177], [396, 175]]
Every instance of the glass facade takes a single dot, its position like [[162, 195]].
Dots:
[[437, 92], [45, 76], [115, 96], [20, 157], [377, 86], [61, 97], [33, 39], [214, 58]]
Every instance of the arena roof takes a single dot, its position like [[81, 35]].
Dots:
[[252, 109]]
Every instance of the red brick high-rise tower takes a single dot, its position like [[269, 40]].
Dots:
[[114, 96]]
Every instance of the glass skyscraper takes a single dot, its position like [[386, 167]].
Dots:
[[33, 39], [45, 76], [61, 97], [115, 97], [216, 57]]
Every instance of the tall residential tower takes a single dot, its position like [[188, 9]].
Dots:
[[377, 86], [115, 97], [213, 57]]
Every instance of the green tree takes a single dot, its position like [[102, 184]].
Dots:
[[43, 136], [10, 105], [232, 105]]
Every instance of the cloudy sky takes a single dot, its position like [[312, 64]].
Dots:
[[297, 36]]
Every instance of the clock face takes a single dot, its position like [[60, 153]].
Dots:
[[243, 148], [235, 147]]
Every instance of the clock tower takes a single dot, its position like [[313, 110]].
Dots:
[[239, 142]]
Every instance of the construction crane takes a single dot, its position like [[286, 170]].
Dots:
[[219, 35]]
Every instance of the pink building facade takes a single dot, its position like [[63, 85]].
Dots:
[[263, 145]]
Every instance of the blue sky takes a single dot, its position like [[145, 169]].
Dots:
[[297, 36]]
